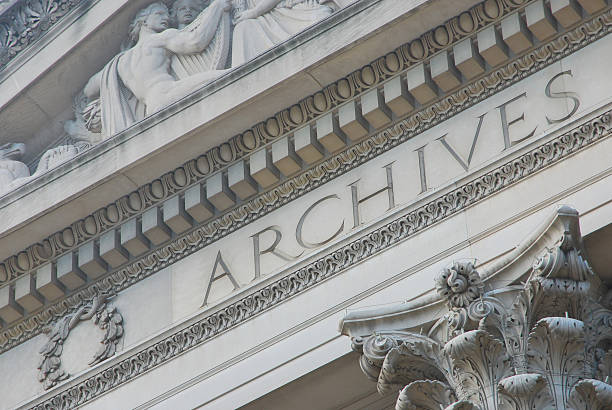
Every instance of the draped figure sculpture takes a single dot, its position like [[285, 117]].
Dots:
[[262, 24], [139, 80]]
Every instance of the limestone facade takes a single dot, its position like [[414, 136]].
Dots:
[[194, 195]]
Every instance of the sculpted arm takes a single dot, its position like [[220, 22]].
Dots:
[[92, 88], [195, 39]]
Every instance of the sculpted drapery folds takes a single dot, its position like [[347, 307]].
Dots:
[[262, 24], [139, 80], [165, 64], [161, 64]]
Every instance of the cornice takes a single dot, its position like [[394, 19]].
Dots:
[[330, 265], [262, 134], [24, 23], [334, 166]]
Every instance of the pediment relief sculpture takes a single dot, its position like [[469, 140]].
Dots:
[[542, 342], [172, 49]]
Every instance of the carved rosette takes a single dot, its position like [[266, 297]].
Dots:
[[106, 317], [545, 344], [460, 284]]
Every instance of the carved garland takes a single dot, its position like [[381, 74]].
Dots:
[[335, 263], [105, 316], [358, 154], [550, 349], [283, 122]]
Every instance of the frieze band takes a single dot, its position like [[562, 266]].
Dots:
[[334, 263], [324, 172], [310, 108]]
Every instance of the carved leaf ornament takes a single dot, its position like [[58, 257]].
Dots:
[[103, 315], [549, 348]]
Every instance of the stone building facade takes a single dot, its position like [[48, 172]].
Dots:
[[298, 204]]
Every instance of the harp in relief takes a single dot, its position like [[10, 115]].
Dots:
[[214, 56]]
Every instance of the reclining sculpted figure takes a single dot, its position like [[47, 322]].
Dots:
[[139, 80]]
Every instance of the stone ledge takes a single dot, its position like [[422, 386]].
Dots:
[[415, 128], [320, 267], [113, 168]]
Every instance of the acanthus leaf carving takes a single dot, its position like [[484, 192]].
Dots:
[[525, 391], [591, 394], [425, 395], [556, 350], [478, 363], [545, 344]]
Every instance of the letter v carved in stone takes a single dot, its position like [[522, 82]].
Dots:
[[465, 165]]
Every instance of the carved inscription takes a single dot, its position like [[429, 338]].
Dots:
[[378, 189]]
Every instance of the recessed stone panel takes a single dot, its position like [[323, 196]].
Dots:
[[218, 192], [515, 33], [443, 72], [153, 226], [196, 204], [420, 84], [26, 294], [566, 12], [132, 238], [467, 59], [329, 133], [306, 145], [352, 122], [284, 157], [90, 261], [240, 180], [175, 216], [111, 250], [491, 47], [397, 97], [68, 271], [540, 21], [374, 109], [47, 283], [9, 309]]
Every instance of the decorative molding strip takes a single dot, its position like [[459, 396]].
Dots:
[[356, 155], [315, 106], [23, 23], [334, 263]]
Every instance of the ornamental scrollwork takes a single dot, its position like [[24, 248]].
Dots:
[[105, 316], [545, 344]]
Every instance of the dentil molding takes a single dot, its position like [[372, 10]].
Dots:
[[306, 111], [434, 211]]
